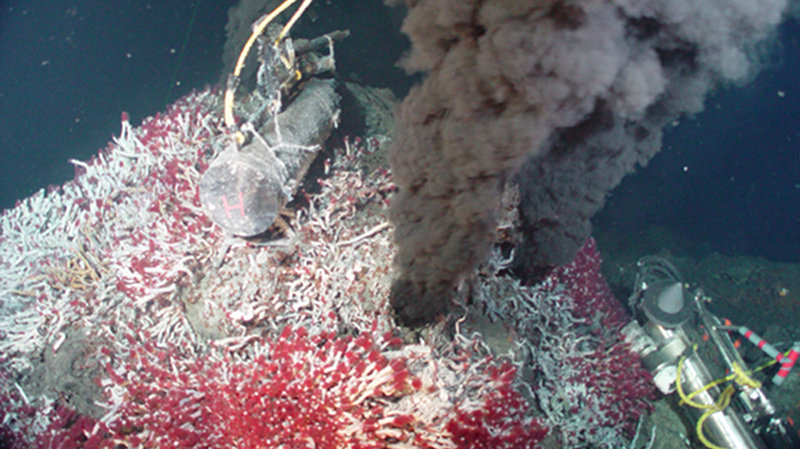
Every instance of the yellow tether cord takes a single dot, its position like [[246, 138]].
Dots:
[[739, 375], [291, 21], [687, 399], [721, 404], [258, 28]]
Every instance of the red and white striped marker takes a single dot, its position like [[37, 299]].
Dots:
[[762, 344], [787, 361], [786, 365]]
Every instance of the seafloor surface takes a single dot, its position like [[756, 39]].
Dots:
[[129, 318], [754, 292]]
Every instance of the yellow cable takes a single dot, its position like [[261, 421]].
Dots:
[[768, 364], [705, 388], [743, 378], [227, 103], [258, 28], [291, 21], [721, 404], [739, 375], [687, 399]]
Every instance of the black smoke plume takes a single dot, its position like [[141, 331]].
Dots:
[[563, 98]]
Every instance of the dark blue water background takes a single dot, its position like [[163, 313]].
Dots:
[[729, 177], [68, 70], [727, 180]]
